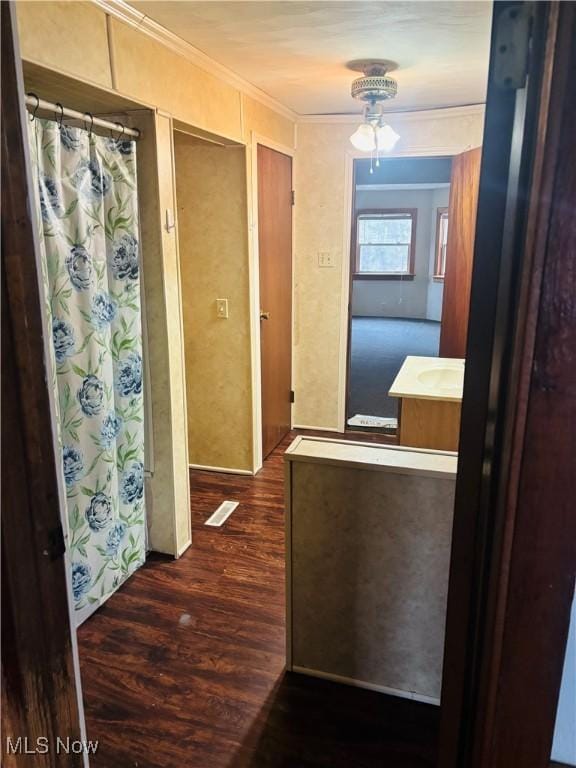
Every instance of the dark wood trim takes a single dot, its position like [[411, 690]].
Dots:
[[409, 275], [39, 696], [382, 276], [513, 555], [531, 581]]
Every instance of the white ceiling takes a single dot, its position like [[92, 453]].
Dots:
[[296, 51]]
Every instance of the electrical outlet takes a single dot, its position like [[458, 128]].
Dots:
[[325, 259], [222, 309]]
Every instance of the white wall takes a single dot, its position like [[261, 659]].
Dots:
[[564, 745], [440, 199], [404, 298]]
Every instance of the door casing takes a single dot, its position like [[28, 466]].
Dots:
[[346, 284]]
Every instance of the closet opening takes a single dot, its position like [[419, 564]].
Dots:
[[211, 209]]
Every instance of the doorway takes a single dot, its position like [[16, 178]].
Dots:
[[412, 241], [210, 182], [398, 257], [275, 274]]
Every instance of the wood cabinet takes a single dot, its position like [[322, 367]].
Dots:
[[429, 423]]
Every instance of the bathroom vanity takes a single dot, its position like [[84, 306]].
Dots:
[[368, 530], [430, 394]]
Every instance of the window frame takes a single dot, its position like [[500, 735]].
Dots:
[[440, 274], [409, 275]]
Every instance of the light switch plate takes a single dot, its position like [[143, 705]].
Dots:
[[325, 259], [222, 308]]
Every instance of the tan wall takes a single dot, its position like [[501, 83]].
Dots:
[[323, 150], [129, 62], [213, 243], [68, 36], [151, 73], [55, 34]]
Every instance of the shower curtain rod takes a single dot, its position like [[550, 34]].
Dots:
[[36, 103]]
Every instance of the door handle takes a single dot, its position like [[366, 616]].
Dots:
[[264, 315]]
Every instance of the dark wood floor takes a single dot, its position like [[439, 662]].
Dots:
[[183, 667]]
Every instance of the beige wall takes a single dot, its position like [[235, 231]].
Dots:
[[321, 219], [124, 61], [213, 242], [152, 73], [148, 72], [69, 36], [55, 34]]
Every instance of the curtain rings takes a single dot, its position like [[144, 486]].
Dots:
[[91, 116], [59, 121], [33, 115], [119, 138]]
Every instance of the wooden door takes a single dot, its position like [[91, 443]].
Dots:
[[39, 686], [275, 253], [460, 252]]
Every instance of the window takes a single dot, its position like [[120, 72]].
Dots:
[[385, 243], [441, 241]]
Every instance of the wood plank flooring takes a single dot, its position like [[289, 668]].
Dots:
[[183, 667]]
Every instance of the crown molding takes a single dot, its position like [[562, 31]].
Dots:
[[467, 110], [138, 20]]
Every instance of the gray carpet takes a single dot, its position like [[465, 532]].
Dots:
[[379, 346]]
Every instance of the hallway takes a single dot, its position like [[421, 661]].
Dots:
[[184, 665]]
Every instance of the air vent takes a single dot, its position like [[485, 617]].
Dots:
[[222, 514]]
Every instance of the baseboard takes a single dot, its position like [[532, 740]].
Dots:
[[317, 429], [368, 686], [226, 470], [183, 548]]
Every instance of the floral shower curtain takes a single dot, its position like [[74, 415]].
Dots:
[[88, 222]]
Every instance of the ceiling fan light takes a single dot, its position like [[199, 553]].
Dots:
[[386, 137], [363, 138]]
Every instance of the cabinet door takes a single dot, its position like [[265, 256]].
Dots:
[[459, 252]]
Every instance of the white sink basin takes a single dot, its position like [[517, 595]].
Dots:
[[449, 378], [430, 378]]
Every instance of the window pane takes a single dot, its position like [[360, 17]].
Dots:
[[441, 242], [383, 230], [384, 258], [444, 228]]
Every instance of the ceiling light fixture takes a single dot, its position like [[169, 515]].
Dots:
[[375, 87]]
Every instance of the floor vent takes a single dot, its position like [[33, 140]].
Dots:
[[222, 514]]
